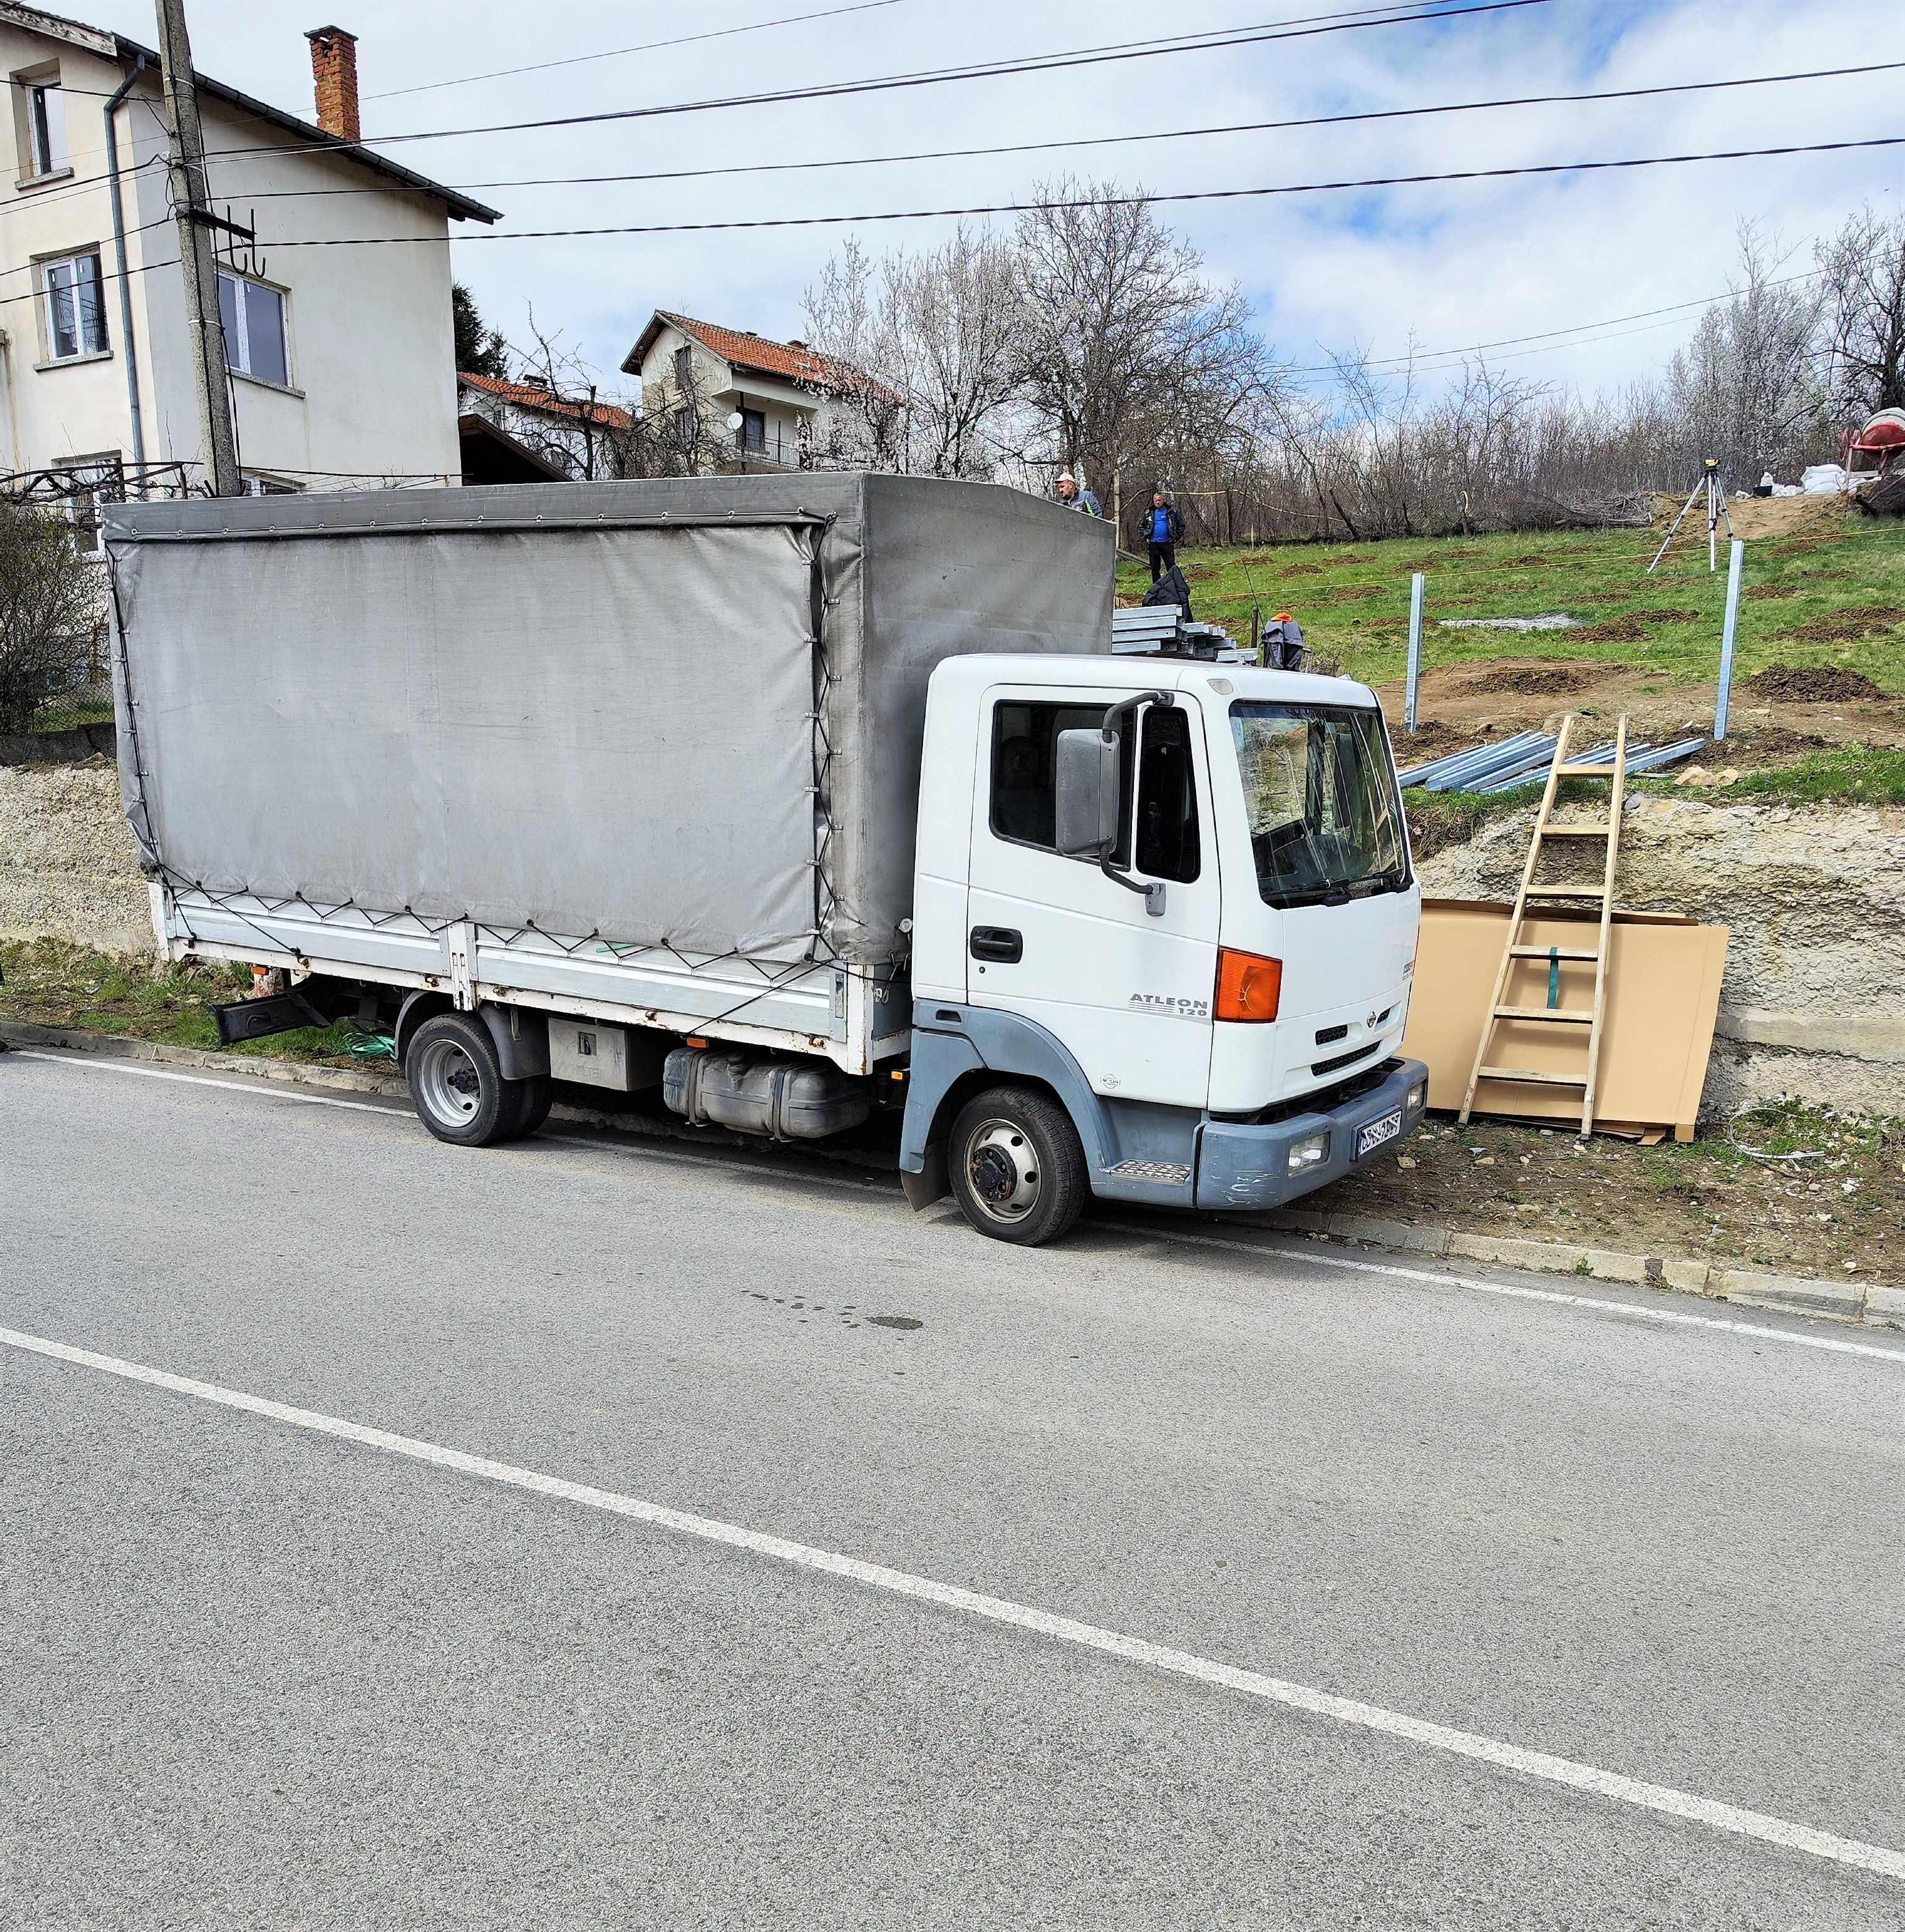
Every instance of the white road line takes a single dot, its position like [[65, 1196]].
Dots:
[[271, 1091], [1513, 1291], [396, 1110], [1541, 1765]]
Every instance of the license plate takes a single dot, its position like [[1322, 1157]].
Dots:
[[1377, 1132]]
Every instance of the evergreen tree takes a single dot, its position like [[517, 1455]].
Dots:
[[480, 350]]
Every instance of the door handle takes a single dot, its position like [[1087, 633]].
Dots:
[[1004, 944]]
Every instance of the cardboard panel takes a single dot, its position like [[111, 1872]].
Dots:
[[1663, 999]]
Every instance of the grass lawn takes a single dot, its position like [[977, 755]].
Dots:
[[1829, 591], [53, 982], [70, 717]]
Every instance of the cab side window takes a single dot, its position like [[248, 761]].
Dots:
[[1024, 765], [1167, 799], [1023, 807]]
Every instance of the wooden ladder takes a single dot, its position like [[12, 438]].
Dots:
[[1590, 1017]]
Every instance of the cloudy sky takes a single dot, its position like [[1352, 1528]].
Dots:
[[1449, 264]]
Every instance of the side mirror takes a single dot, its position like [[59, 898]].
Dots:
[[1085, 782]]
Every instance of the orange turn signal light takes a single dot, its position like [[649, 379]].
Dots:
[[1249, 986]]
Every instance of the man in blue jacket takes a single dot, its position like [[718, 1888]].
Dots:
[[1166, 527]]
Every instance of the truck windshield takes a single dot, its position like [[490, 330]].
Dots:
[[1319, 791]]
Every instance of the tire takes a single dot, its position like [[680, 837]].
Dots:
[[456, 1085], [1017, 1166]]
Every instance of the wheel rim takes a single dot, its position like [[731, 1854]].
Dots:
[[1003, 1171], [448, 1082]]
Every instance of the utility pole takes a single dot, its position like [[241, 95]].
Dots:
[[197, 255]]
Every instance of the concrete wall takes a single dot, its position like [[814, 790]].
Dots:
[[373, 380], [67, 865], [1812, 1005]]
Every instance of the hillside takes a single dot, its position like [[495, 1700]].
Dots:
[[1821, 640]]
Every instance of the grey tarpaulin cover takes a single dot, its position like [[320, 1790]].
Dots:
[[588, 707]]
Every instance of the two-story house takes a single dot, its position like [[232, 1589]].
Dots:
[[341, 362], [523, 431], [753, 403]]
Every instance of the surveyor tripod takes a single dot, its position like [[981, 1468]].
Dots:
[[1717, 513]]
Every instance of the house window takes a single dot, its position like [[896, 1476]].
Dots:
[[753, 433], [253, 317], [46, 128], [73, 296], [257, 483], [684, 369]]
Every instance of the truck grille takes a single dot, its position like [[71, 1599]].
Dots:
[[1323, 1066]]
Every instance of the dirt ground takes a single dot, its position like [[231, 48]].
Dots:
[[1461, 705], [1753, 517], [1840, 1212]]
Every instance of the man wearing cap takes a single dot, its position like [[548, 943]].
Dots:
[[1073, 498]]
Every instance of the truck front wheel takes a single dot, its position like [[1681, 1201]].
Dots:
[[458, 1088], [1017, 1165]]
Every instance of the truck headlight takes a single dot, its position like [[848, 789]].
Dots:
[[1416, 1096], [1311, 1151]]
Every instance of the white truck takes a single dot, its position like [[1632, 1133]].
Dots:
[[798, 800]]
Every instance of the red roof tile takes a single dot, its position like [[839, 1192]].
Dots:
[[735, 346], [527, 396]]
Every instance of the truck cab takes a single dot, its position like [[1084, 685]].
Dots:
[[1164, 923]]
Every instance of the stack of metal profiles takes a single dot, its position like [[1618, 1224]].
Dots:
[[1524, 760], [1149, 628], [1163, 629]]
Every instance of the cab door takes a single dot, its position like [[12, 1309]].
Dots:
[[1127, 991]]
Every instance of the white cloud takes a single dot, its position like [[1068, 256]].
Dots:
[[1452, 263]]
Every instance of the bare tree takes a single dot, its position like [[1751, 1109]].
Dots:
[[1746, 386], [920, 354], [577, 434], [1863, 267], [49, 608], [1127, 354]]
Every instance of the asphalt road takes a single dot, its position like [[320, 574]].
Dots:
[[267, 1670]]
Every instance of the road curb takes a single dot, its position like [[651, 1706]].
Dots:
[[1873, 1304]]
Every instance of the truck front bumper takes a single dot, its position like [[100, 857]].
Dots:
[[1243, 1164]]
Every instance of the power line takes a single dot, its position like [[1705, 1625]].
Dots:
[[724, 33], [1544, 335], [1107, 200], [643, 47], [1115, 140], [985, 71]]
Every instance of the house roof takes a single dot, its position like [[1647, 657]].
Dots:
[[528, 396], [127, 53], [740, 348], [492, 455]]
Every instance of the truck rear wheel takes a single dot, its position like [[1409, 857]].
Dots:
[[1017, 1165], [458, 1088]]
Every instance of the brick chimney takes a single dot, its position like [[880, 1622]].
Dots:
[[334, 70]]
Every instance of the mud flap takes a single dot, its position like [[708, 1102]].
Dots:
[[930, 1183]]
